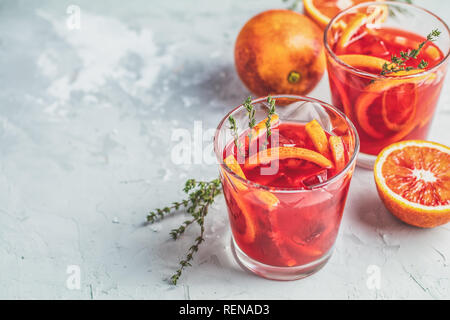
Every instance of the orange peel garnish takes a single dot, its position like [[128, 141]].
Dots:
[[281, 153], [363, 61], [318, 137], [232, 163], [338, 152], [261, 128]]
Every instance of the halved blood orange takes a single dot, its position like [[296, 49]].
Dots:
[[281, 153], [389, 87], [338, 152], [413, 180], [322, 11], [318, 137]]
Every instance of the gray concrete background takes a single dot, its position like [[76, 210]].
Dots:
[[86, 123]]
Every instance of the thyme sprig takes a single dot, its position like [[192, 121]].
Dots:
[[393, 9], [293, 5], [399, 63], [251, 114], [201, 195], [234, 131], [271, 112]]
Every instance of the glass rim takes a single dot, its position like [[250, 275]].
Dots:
[[344, 171], [379, 76]]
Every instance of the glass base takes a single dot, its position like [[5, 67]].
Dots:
[[366, 161], [277, 273]]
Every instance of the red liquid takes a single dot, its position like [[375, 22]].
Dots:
[[397, 111], [303, 225]]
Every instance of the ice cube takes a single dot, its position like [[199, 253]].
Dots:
[[316, 179]]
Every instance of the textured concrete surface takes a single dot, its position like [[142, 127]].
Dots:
[[86, 133]]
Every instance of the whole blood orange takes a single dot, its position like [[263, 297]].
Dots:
[[280, 52], [413, 180]]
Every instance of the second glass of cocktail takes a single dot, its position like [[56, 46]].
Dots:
[[285, 180], [386, 64]]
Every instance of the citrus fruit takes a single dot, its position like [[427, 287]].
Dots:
[[338, 152], [244, 221], [399, 97], [318, 137], [361, 61], [357, 24], [280, 52], [354, 26], [281, 153], [413, 180], [322, 11], [247, 226], [399, 106]]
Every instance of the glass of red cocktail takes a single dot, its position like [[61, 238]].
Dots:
[[286, 192], [384, 73]]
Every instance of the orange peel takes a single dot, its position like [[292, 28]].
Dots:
[[281, 153], [318, 137], [338, 152], [363, 61]]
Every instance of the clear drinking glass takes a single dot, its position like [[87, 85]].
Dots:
[[286, 233], [392, 107]]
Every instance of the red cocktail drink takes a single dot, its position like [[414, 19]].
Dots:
[[286, 197], [386, 106]]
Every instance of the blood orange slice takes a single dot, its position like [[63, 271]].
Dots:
[[354, 26], [413, 180], [399, 106], [322, 11], [390, 88], [262, 197]]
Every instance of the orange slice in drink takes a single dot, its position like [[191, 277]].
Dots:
[[354, 26], [250, 227], [361, 61], [281, 153], [413, 180], [399, 106], [338, 152], [389, 87], [318, 137], [267, 199], [260, 128], [375, 14], [232, 163], [322, 11]]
